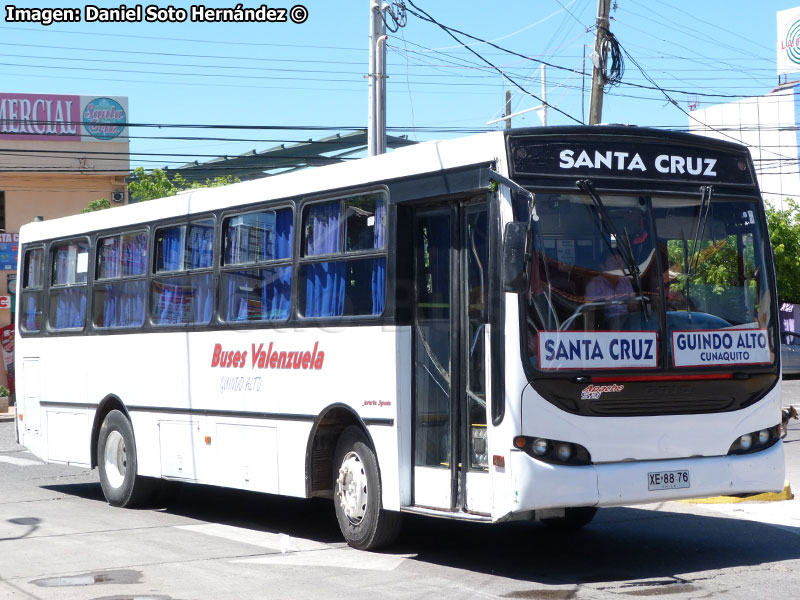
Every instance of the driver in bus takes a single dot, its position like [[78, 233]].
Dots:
[[611, 292]]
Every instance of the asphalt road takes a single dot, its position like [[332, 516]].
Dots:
[[59, 539]]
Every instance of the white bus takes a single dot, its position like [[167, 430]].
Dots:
[[527, 324]]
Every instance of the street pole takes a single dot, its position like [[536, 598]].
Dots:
[[598, 60], [544, 95], [380, 95], [508, 109], [377, 85]]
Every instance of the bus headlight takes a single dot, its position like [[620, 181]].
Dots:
[[557, 452], [755, 441], [564, 452], [540, 447]]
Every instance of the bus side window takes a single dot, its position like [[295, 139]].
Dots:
[[32, 283], [67, 308], [182, 287], [255, 240], [120, 287], [345, 240]]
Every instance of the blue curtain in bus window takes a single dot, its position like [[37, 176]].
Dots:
[[202, 298], [277, 292], [184, 299], [200, 255], [201, 246], [283, 233], [70, 308], [324, 221], [257, 295], [170, 251], [168, 305], [324, 281], [33, 313], [379, 265], [325, 287], [123, 304], [134, 253]]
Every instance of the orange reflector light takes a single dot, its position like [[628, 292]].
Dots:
[[520, 442], [498, 461], [20, 416], [208, 440]]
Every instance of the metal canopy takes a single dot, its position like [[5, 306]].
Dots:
[[283, 158]]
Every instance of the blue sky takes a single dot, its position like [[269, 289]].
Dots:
[[313, 73]]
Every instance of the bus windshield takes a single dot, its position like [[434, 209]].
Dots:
[[648, 282]]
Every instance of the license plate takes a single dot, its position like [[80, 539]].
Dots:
[[667, 480]]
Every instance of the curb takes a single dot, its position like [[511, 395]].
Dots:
[[786, 494], [9, 416]]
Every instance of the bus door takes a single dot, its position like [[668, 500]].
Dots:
[[450, 445]]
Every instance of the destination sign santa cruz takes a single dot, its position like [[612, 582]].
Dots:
[[619, 158], [639, 349]]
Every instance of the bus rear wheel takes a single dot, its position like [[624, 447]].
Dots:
[[357, 494], [574, 518], [116, 458]]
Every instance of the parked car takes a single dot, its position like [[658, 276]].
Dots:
[[790, 353]]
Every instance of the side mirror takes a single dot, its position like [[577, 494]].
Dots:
[[515, 257]]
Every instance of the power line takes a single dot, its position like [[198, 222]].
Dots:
[[451, 34]]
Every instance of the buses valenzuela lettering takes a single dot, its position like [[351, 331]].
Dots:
[[598, 349], [267, 359], [720, 347]]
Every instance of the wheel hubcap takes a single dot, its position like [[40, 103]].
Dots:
[[351, 488], [116, 459]]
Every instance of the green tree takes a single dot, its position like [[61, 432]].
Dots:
[[94, 205], [784, 233], [149, 186]]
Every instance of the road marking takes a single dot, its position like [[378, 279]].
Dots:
[[264, 539], [338, 558], [299, 552], [20, 462]]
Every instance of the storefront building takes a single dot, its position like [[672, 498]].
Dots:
[[57, 154]]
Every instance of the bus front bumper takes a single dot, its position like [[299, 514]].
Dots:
[[538, 485]]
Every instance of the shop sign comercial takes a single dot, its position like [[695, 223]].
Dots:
[[63, 117]]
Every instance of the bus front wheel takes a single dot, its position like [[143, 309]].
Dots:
[[116, 458], [357, 494]]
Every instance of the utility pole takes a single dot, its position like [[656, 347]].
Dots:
[[544, 95], [376, 119], [599, 60], [541, 109]]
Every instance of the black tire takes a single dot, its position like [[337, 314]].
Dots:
[[116, 459], [574, 518], [364, 523]]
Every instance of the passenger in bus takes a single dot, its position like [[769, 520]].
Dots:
[[611, 292]]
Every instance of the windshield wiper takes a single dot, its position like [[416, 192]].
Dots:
[[623, 248], [706, 191]]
